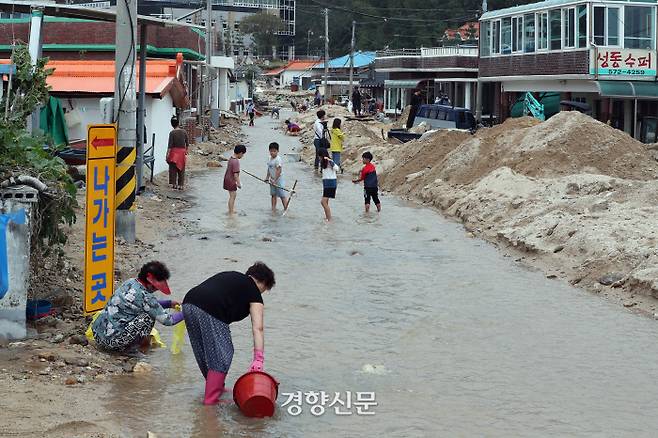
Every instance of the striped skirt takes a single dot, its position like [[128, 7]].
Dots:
[[210, 339]]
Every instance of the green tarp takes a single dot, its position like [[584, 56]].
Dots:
[[52, 121], [550, 100]]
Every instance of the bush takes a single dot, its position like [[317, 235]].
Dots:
[[24, 154]]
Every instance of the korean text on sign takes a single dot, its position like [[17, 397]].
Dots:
[[624, 62], [99, 217], [319, 402]]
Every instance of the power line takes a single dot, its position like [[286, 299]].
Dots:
[[339, 8]]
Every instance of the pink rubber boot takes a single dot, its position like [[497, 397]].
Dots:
[[214, 387]]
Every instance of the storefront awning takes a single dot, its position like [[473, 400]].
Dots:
[[402, 83], [628, 89]]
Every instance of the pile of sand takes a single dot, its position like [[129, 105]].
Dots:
[[568, 143]]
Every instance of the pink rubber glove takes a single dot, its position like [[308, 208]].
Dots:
[[257, 363]]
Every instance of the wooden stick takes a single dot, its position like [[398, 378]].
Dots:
[[292, 193], [267, 182]]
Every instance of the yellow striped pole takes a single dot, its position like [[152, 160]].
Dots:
[[126, 179]]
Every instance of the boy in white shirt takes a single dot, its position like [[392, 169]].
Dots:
[[275, 177]]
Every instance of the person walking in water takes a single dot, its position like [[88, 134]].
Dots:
[[275, 177], [329, 181], [319, 137], [251, 112], [211, 307], [336, 147], [232, 176], [177, 155], [370, 183]]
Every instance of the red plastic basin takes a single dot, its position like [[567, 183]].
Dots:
[[255, 394]]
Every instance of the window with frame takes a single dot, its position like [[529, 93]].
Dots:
[[542, 31], [506, 35], [606, 26], [638, 27], [581, 18], [612, 27], [517, 34], [485, 48], [569, 27], [555, 35], [495, 40], [529, 33]]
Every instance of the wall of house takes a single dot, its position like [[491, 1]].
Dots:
[[81, 112], [158, 121], [97, 32], [288, 75], [572, 62]]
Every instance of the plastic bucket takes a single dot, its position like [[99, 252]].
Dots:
[[255, 394]]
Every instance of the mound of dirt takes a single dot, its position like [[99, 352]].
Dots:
[[568, 143], [423, 155]]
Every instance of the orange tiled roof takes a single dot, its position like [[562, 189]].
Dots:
[[97, 77], [300, 65]]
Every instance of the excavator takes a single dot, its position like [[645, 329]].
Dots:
[[531, 106]]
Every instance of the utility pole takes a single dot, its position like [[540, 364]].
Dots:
[[141, 107], [480, 84], [125, 115], [308, 43], [36, 23], [209, 81], [352, 61], [326, 54]]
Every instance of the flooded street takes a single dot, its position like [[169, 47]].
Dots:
[[454, 338]]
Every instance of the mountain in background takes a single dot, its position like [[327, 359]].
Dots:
[[414, 23]]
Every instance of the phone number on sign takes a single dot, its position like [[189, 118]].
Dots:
[[342, 403], [627, 72]]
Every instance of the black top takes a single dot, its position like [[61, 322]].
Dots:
[[226, 296], [416, 100]]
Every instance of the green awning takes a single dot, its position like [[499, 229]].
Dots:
[[628, 89], [401, 83]]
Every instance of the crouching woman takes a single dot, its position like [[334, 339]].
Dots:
[[129, 316], [211, 307]]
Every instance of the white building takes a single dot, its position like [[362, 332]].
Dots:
[[80, 85]]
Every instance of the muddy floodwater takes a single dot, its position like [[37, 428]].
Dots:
[[454, 338]]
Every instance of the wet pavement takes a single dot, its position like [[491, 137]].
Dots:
[[454, 338]]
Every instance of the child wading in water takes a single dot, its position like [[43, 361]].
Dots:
[[232, 176], [329, 181], [336, 142], [275, 177], [370, 184]]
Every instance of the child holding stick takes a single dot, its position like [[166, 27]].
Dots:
[[275, 177]]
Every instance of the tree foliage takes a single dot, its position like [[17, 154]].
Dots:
[[423, 25], [24, 154], [262, 27]]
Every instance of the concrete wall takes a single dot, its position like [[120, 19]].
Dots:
[[79, 113], [158, 121], [12, 305], [288, 75]]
